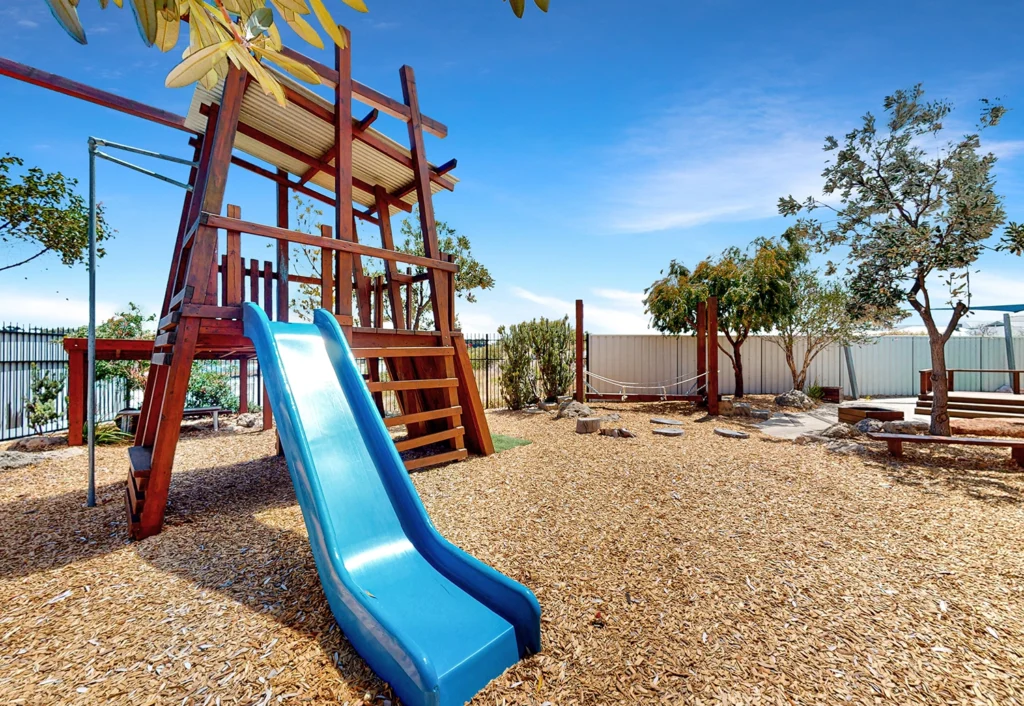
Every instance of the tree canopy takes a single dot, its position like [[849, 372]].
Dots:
[[43, 211], [752, 286], [221, 33], [911, 211]]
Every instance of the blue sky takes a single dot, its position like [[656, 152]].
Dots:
[[595, 143]]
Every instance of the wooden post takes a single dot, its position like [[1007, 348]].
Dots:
[[408, 300], [581, 394], [243, 385], [390, 268], [233, 277], [283, 259], [713, 356], [76, 396], [702, 348], [326, 273], [1015, 384], [926, 381], [949, 380], [343, 218], [439, 293]]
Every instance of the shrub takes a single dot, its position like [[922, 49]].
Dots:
[[210, 388], [553, 344], [517, 378], [815, 392], [41, 407]]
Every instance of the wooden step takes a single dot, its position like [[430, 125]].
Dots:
[[430, 384], [161, 358], [428, 439], [964, 414], [403, 352], [170, 321], [422, 416], [165, 339], [136, 495], [426, 461], [140, 460], [979, 406], [178, 298], [133, 517]]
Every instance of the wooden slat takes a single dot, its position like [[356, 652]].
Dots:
[[162, 358], [419, 441], [437, 383], [949, 440], [215, 221], [233, 278], [422, 416], [136, 495], [140, 459], [403, 352], [165, 339], [437, 460]]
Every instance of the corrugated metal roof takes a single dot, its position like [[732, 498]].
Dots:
[[310, 135]]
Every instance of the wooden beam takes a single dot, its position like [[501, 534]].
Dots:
[[59, 84], [713, 356], [581, 389], [344, 220], [317, 242], [283, 250]]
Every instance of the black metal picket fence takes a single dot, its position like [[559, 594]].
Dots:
[[22, 347]]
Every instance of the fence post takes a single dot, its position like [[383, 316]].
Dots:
[[487, 371], [580, 388]]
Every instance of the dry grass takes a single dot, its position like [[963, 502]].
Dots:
[[693, 570]]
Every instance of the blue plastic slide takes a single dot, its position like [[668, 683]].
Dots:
[[431, 620]]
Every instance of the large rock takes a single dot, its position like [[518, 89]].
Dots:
[[761, 414], [845, 448], [16, 459], [794, 398], [905, 426], [249, 420], [588, 425], [869, 425], [33, 444], [741, 409], [1009, 428], [571, 409], [840, 431]]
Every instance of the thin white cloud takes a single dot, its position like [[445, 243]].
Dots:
[[728, 157], [17, 307], [30, 24], [616, 311]]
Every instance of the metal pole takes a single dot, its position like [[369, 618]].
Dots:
[[853, 373], [90, 386], [1011, 363]]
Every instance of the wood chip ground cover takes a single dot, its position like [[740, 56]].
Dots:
[[694, 570]]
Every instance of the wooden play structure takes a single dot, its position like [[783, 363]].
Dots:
[[313, 146], [704, 385]]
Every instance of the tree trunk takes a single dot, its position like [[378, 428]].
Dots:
[[940, 388], [737, 368]]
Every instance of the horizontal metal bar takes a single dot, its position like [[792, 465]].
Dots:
[[149, 153], [143, 170]]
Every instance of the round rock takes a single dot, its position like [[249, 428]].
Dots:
[[668, 431], [666, 422], [730, 434]]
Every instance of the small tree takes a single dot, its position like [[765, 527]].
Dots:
[[43, 211], [517, 378], [132, 324], [913, 212], [553, 343], [208, 387], [753, 290], [822, 315], [41, 407]]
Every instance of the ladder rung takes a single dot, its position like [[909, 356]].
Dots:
[[413, 464], [181, 296], [422, 416], [136, 495], [419, 441], [165, 339], [169, 321], [140, 459], [161, 359], [133, 517], [430, 384], [403, 352]]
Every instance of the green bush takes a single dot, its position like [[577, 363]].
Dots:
[[816, 392], [41, 406], [554, 348], [210, 388], [517, 378]]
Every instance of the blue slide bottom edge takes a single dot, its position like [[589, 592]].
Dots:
[[431, 620]]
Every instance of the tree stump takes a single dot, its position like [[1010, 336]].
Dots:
[[588, 425]]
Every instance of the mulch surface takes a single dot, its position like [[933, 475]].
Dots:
[[696, 570]]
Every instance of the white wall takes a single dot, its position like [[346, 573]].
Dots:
[[887, 367]]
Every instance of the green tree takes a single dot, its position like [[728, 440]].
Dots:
[[41, 407], [752, 286], [470, 276], [823, 314], [553, 343], [43, 212], [914, 213], [225, 32], [131, 324], [209, 387], [517, 377]]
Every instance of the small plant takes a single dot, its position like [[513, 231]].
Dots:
[[41, 407], [517, 378], [210, 388], [816, 392], [110, 435]]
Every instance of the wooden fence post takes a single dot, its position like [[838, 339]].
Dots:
[[581, 394]]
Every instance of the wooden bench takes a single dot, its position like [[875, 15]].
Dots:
[[190, 412], [895, 443]]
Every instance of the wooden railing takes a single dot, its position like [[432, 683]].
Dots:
[[926, 378]]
